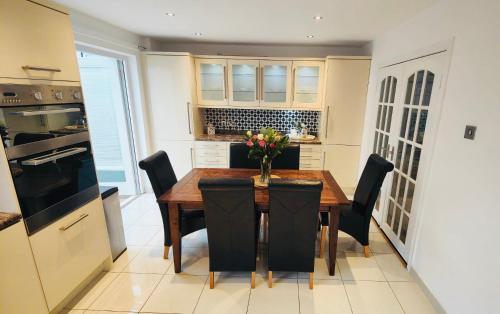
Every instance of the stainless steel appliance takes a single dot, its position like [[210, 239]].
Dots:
[[48, 148], [114, 221]]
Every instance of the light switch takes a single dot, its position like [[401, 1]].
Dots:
[[470, 132]]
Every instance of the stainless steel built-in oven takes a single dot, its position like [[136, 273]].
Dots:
[[47, 144]]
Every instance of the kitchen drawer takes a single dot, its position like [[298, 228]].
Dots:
[[65, 258], [209, 161], [311, 164], [210, 145], [204, 152], [307, 149]]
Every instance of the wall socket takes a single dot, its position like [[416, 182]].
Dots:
[[470, 132]]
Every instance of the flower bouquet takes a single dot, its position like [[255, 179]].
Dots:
[[265, 146]]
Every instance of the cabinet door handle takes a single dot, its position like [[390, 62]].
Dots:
[[37, 68], [71, 224], [326, 124], [188, 104]]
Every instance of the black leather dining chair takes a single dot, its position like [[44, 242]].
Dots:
[[232, 224], [162, 178], [288, 159], [355, 217], [293, 221], [238, 157]]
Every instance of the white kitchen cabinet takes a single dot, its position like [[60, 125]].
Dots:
[[243, 83], [180, 153], [68, 251], [307, 84], [211, 82], [345, 100], [209, 154], [342, 161], [43, 40], [170, 93], [20, 290], [275, 83], [311, 157]]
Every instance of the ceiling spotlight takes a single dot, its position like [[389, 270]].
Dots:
[[170, 14], [197, 34], [310, 36], [318, 17]]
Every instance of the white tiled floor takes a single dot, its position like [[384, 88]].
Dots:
[[142, 281]]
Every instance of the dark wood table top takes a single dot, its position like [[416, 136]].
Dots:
[[187, 195]]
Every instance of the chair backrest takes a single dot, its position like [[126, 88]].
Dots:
[[369, 184], [288, 159], [238, 157], [293, 223], [231, 221], [162, 178]]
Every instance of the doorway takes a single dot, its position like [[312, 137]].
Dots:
[[105, 91]]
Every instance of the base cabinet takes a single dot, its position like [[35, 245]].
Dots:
[[342, 161], [69, 250], [211, 154], [311, 157], [180, 153]]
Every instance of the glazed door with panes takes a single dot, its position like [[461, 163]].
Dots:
[[414, 118]]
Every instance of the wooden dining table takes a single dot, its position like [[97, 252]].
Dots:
[[185, 195]]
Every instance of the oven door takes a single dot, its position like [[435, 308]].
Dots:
[[54, 181]]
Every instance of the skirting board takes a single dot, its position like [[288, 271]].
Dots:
[[434, 302]]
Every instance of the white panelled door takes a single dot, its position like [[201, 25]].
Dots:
[[407, 115]]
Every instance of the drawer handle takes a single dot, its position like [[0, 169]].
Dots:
[[82, 216], [35, 68]]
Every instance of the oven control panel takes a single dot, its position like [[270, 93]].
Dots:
[[28, 95]]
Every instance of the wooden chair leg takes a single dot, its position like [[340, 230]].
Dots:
[[366, 250], [165, 251], [311, 280], [270, 279], [211, 280], [253, 280], [322, 240]]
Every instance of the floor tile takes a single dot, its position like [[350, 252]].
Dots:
[[150, 218], [196, 239], [126, 257], [346, 243], [392, 267], [194, 262], [379, 244], [371, 297], [69, 311], [328, 296], [128, 292], [321, 270], [107, 312], [230, 295], [411, 298], [91, 292], [140, 235], [355, 266], [176, 294], [281, 298], [149, 261], [158, 239], [374, 227]]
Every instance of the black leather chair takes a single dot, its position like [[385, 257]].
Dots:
[[293, 221], [355, 218], [162, 178], [232, 224], [288, 159]]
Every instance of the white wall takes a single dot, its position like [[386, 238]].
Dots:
[[457, 249]]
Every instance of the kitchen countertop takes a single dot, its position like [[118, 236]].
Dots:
[[8, 219], [240, 138]]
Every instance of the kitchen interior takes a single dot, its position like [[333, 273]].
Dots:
[[89, 90]]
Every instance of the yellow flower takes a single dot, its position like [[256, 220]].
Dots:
[[260, 136], [249, 133]]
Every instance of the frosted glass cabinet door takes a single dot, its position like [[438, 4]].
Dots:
[[307, 84], [243, 82], [276, 83], [211, 81]]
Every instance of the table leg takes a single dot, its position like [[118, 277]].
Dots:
[[332, 239], [175, 234]]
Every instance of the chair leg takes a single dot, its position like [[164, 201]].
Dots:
[[165, 251], [322, 240], [211, 280], [270, 279], [253, 280], [311, 280], [366, 250]]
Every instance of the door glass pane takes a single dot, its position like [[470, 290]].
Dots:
[[306, 84], [411, 127], [274, 85], [387, 87], [244, 82], [390, 212], [212, 81], [394, 185], [377, 203], [404, 122], [380, 142], [378, 116], [386, 144], [409, 89], [399, 154], [401, 190], [397, 217], [418, 87], [416, 161], [409, 196], [404, 228], [393, 92], [406, 159], [375, 143], [384, 113], [429, 82], [421, 126], [382, 89], [389, 120]]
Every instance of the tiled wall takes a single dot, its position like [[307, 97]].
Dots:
[[237, 120]]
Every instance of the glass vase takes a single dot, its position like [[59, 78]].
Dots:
[[265, 170]]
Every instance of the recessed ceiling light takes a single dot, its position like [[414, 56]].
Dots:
[[170, 14], [310, 36], [318, 17], [197, 34]]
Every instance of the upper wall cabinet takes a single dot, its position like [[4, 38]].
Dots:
[[211, 82], [43, 41], [243, 83], [276, 83], [307, 84]]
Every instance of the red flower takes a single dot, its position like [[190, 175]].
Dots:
[[262, 143], [249, 143], [272, 145]]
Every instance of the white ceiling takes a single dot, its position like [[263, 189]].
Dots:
[[345, 22]]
